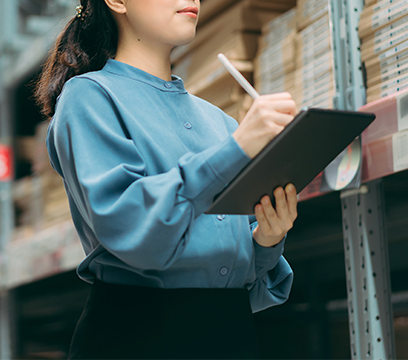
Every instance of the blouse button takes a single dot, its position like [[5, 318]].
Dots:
[[187, 125], [224, 271], [167, 85], [221, 217]]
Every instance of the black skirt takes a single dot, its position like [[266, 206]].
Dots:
[[133, 322]]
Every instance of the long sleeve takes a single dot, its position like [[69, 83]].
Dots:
[[274, 277], [142, 219]]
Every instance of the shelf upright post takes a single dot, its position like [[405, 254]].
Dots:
[[6, 228], [8, 27], [364, 232]]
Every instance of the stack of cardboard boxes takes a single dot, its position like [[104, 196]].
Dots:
[[314, 80], [383, 31], [233, 29], [276, 60], [295, 55], [39, 199]]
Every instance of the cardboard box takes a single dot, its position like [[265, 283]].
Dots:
[[313, 50], [239, 109], [276, 29], [379, 15], [308, 11], [313, 72], [276, 85], [387, 88], [376, 95], [326, 98], [378, 71], [278, 59], [388, 57], [244, 16], [314, 88], [215, 74], [277, 51], [373, 47], [213, 8], [238, 46], [371, 81], [391, 30], [25, 149], [223, 94]]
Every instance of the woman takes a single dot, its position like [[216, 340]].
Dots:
[[141, 160]]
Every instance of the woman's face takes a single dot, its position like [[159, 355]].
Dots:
[[169, 22]]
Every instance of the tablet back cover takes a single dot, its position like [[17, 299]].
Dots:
[[297, 155]]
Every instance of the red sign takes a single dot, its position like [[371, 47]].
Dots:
[[6, 164]]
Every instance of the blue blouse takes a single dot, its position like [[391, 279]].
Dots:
[[141, 160]]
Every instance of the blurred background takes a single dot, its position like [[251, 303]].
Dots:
[[279, 45]]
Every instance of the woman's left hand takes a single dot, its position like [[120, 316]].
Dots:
[[273, 224]]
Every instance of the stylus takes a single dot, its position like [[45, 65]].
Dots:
[[238, 76]]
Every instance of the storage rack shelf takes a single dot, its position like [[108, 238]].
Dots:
[[57, 249]]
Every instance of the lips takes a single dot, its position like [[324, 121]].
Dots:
[[189, 9]]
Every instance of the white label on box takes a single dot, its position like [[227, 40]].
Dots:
[[393, 25], [393, 90], [393, 66], [387, 11], [386, 19], [394, 82], [402, 111], [390, 43], [400, 150], [392, 34], [392, 75], [391, 52]]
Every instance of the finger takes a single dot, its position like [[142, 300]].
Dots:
[[282, 210], [278, 96], [269, 211], [292, 200], [261, 219], [285, 106], [281, 119]]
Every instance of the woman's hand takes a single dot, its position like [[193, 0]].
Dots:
[[267, 117], [273, 224]]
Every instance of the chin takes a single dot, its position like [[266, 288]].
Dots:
[[185, 39]]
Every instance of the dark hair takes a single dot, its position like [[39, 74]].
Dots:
[[85, 44]]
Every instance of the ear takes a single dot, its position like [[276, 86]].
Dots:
[[117, 6]]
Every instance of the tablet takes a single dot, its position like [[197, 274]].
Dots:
[[297, 155]]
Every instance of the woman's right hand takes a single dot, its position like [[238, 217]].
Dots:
[[267, 117]]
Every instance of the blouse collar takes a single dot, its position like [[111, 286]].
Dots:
[[120, 68]]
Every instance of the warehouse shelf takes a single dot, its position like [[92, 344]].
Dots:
[[35, 258], [47, 252]]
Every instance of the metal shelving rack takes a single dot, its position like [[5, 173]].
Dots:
[[365, 241]]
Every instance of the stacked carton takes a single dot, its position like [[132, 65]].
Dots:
[[314, 80], [55, 201], [234, 31], [383, 31], [276, 60], [39, 199], [308, 11], [295, 55]]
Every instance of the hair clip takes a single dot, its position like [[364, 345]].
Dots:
[[79, 11]]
